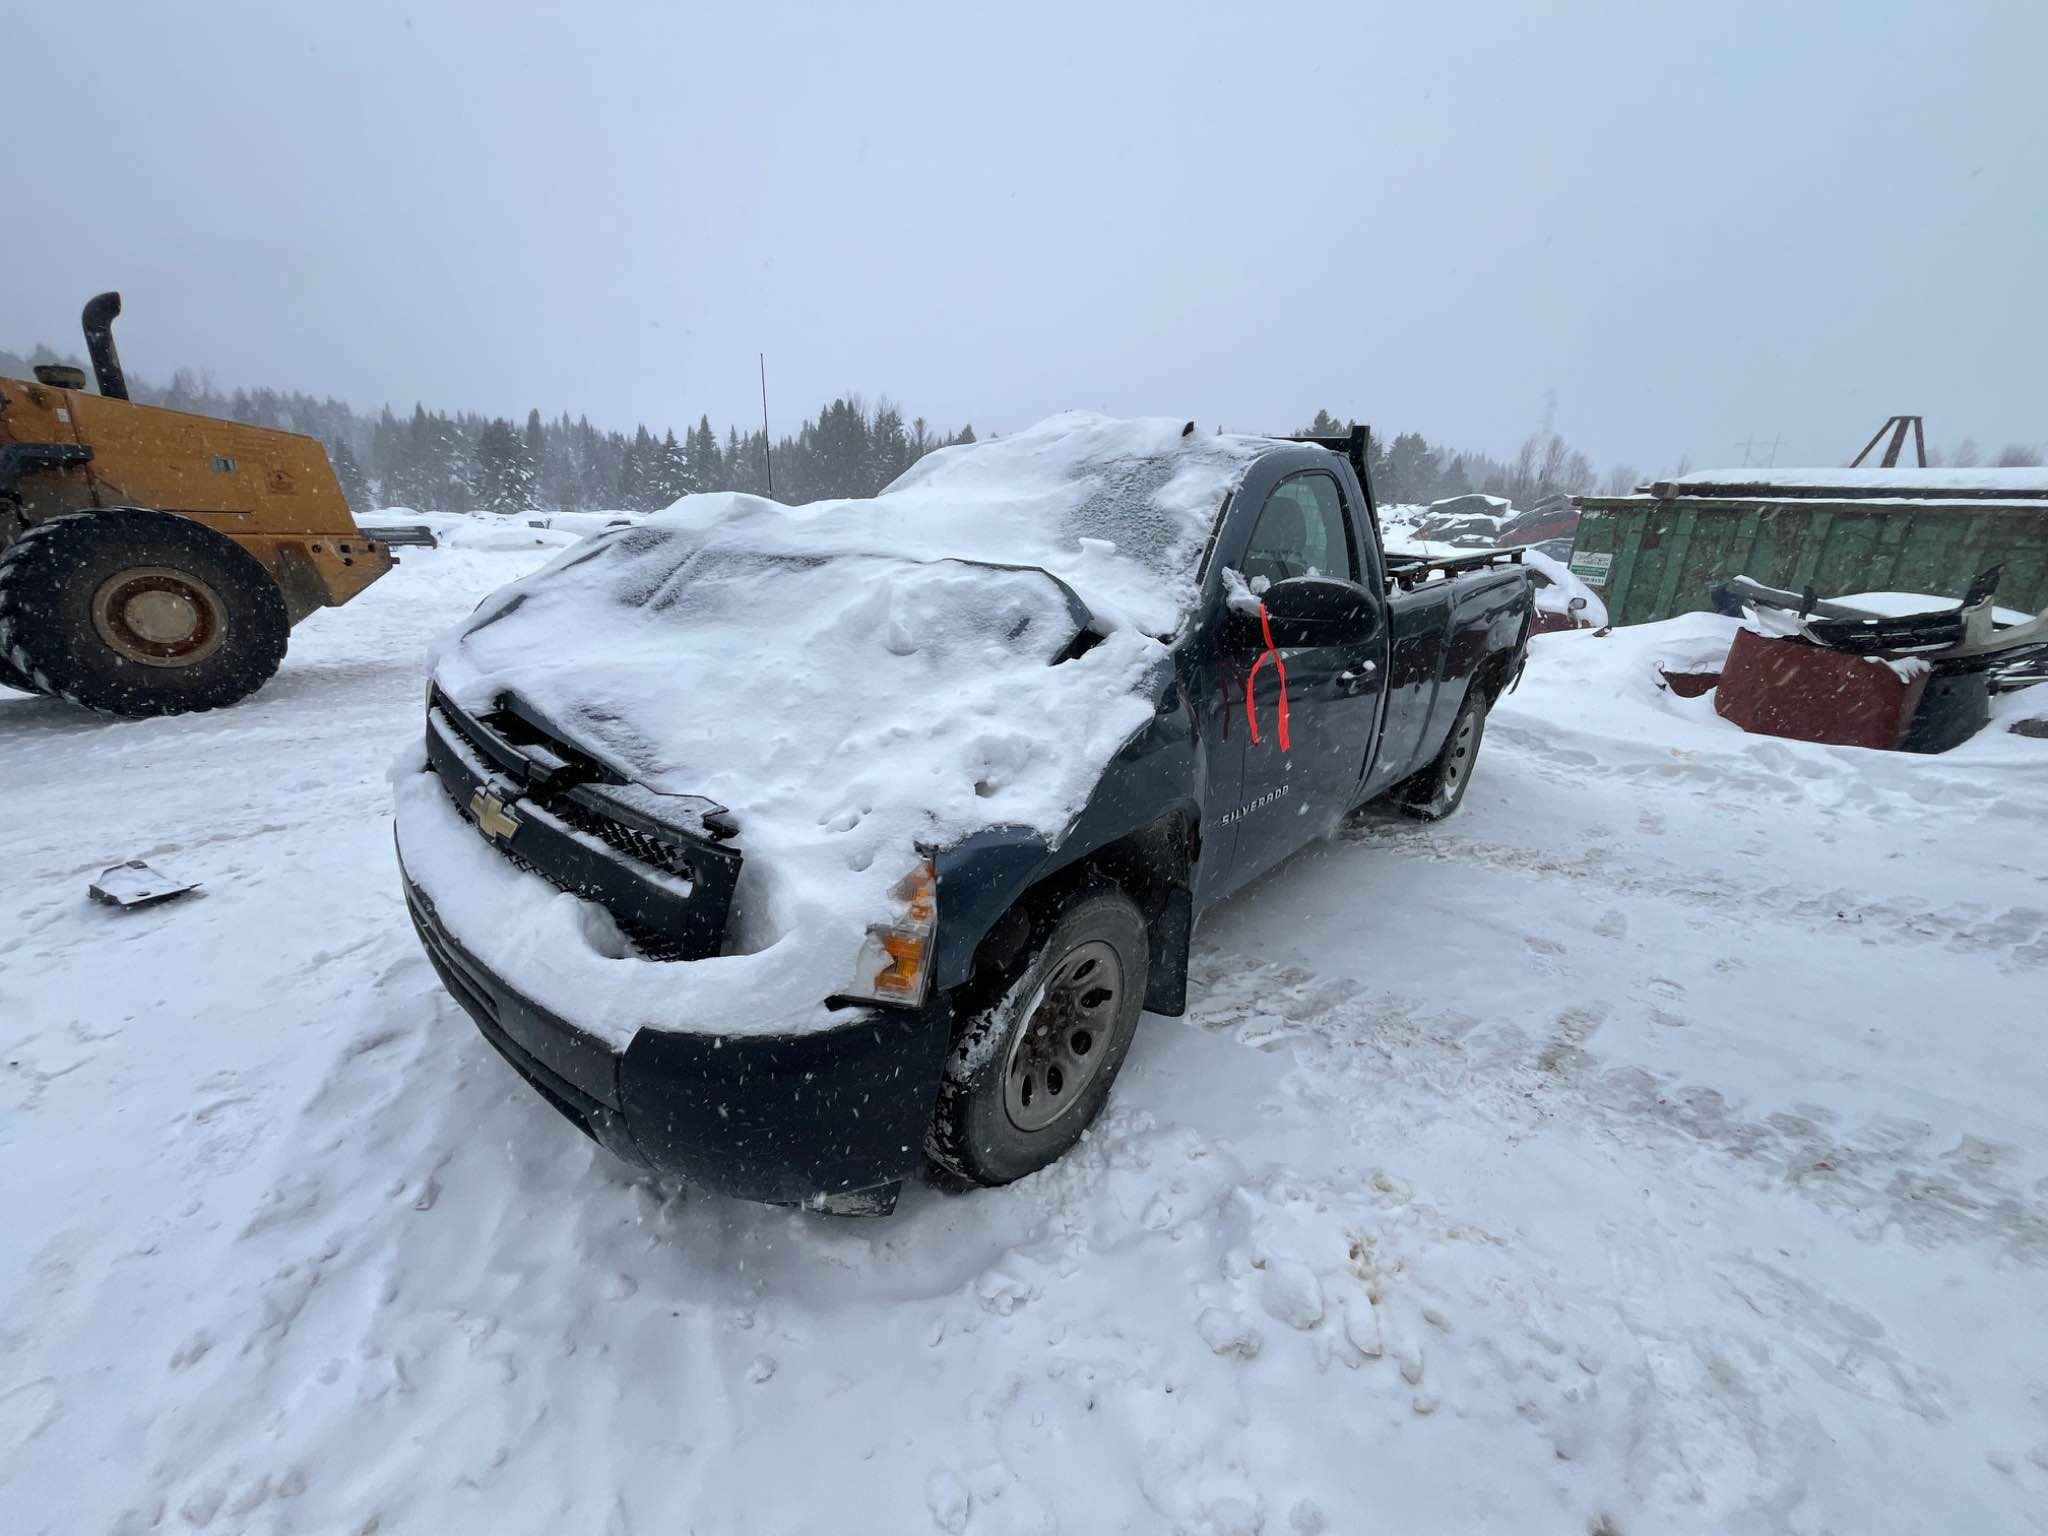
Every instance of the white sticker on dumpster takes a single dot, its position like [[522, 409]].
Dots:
[[1592, 568]]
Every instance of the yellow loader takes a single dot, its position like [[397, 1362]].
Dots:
[[152, 561]]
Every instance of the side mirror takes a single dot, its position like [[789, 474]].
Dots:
[[1321, 610], [1576, 605]]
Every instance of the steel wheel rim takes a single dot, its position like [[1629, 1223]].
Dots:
[[1060, 1048], [159, 617], [1460, 753]]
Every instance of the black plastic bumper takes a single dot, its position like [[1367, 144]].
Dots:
[[778, 1118]]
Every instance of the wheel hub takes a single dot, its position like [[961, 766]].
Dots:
[[159, 617], [1461, 750], [1064, 1041]]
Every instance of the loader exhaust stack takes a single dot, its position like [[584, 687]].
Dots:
[[100, 314]]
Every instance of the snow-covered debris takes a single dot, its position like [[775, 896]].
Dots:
[[1899, 605], [1558, 586], [851, 679], [1478, 521], [137, 883]]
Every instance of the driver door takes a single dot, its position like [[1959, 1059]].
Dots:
[[1295, 791]]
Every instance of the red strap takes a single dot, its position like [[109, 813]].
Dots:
[[1270, 653]]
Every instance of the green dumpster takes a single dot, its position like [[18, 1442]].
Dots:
[[1654, 554]]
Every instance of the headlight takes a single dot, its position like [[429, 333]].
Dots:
[[895, 964]]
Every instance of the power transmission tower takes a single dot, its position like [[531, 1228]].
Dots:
[[1749, 446]]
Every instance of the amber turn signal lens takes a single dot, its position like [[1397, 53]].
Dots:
[[895, 960]]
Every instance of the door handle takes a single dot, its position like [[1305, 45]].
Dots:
[[1354, 679]]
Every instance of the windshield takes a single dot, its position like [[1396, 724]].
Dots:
[[1120, 511]]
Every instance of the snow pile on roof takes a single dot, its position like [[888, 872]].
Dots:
[[1912, 482], [847, 690], [1120, 510]]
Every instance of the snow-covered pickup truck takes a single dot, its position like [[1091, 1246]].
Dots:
[[785, 848]]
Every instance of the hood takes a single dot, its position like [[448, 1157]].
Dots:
[[846, 708]]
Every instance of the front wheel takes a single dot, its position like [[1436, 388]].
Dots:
[[1030, 1073], [12, 676], [1439, 789], [139, 612]]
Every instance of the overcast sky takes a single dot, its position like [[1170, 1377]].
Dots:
[[1697, 223]]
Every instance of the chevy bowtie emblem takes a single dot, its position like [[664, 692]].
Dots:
[[490, 815]]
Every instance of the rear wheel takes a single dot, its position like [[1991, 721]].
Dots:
[[1439, 789], [1031, 1072], [138, 612]]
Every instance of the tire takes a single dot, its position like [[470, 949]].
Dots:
[[1439, 789], [1009, 1104], [136, 612], [12, 676]]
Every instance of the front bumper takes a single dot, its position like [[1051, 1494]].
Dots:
[[787, 1119]]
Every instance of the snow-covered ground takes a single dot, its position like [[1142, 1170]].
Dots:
[[1654, 1147]]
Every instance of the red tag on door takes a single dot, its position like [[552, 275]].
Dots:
[[1270, 653]]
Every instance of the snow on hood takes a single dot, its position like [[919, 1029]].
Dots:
[[850, 684]]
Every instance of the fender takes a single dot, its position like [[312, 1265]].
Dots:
[[1139, 813]]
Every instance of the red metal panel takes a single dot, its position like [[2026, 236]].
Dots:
[[1790, 688]]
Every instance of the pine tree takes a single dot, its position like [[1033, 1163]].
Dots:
[[533, 457], [499, 481], [890, 447], [672, 474], [355, 485], [702, 469]]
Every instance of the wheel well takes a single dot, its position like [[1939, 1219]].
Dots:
[[1151, 866], [1493, 676]]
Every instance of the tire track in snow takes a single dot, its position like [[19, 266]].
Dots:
[[2018, 934], [1360, 1046]]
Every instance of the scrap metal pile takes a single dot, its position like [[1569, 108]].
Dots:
[[1853, 673]]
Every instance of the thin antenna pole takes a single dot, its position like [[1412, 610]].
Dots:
[[767, 456]]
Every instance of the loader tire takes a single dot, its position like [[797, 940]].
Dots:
[[137, 612], [12, 676]]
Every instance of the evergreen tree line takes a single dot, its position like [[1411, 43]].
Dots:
[[440, 462]]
